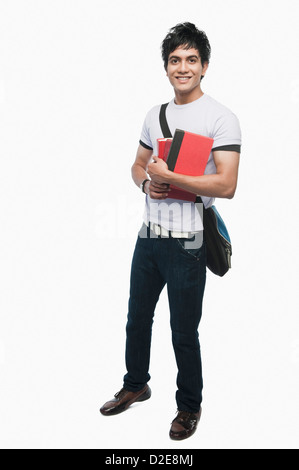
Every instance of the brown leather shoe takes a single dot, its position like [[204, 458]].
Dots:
[[184, 425], [123, 399]]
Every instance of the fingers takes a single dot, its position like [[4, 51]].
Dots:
[[154, 195], [158, 191], [159, 186]]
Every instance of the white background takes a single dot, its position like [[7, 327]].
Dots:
[[76, 80]]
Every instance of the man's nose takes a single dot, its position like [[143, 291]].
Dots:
[[183, 66]]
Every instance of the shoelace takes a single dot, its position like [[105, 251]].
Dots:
[[184, 418], [120, 393]]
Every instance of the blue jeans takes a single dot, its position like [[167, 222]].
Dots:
[[156, 262]]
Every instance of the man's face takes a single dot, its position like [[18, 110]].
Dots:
[[185, 70]]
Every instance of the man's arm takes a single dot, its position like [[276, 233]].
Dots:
[[222, 184], [139, 174]]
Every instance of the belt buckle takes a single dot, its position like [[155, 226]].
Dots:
[[179, 234], [161, 231]]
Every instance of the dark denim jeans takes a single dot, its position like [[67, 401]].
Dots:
[[158, 261]]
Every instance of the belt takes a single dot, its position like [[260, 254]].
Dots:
[[163, 232]]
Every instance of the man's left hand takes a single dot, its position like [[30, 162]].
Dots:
[[158, 170]]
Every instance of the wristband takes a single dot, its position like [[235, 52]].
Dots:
[[142, 185]]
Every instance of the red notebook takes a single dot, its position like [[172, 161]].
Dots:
[[186, 154]]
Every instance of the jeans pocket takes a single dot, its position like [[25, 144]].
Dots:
[[192, 247]]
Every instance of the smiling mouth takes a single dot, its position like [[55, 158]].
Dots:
[[183, 79]]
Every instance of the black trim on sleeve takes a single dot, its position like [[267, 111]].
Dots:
[[228, 148], [145, 146]]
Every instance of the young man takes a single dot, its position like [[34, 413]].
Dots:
[[162, 256]]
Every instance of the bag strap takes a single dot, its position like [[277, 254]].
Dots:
[[166, 132], [163, 121]]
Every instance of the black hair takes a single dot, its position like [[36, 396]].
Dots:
[[186, 34]]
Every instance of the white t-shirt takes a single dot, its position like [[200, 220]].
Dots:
[[204, 116]]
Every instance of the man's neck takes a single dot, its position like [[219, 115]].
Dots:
[[186, 98]]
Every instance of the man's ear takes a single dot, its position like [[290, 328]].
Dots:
[[205, 68]]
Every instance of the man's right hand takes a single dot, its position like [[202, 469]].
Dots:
[[156, 190]]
